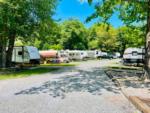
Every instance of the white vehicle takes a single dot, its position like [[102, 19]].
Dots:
[[25, 54], [103, 55], [77, 54], [63, 56], [117, 55], [133, 55], [92, 54], [98, 54]]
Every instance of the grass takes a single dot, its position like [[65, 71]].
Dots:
[[61, 64], [119, 65], [26, 73], [43, 68]]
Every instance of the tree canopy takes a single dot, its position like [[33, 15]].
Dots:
[[131, 12], [20, 18], [73, 35]]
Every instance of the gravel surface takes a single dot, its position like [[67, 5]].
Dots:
[[81, 89]]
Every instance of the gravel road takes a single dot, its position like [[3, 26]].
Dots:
[[81, 89]]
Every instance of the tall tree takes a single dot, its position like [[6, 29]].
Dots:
[[74, 35], [21, 18], [130, 37], [44, 37], [130, 12], [103, 37]]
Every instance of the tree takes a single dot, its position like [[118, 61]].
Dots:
[[130, 37], [130, 12], [45, 38], [74, 35], [103, 38], [19, 18]]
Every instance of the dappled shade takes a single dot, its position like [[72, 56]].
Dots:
[[85, 81]]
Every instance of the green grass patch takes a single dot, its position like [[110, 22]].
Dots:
[[26, 73], [61, 64], [116, 64]]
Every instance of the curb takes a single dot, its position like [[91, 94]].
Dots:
[[144, 108]]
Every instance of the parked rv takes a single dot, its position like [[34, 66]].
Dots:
[[98, 53], [49, 56], [63, 56], [25, 55], [92, 54], [134, 55], [117, 55], [103, 55], [53, 56], [76, 55]]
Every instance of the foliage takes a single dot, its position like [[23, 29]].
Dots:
[[20, 18], [56, 47], [73, 35], [103, 38], [129, 11]]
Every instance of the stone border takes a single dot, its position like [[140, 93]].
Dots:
[[144, 108]]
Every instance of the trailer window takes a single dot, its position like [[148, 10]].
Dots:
[[20, 53], [134, 53]]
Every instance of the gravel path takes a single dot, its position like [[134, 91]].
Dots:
[[81, 89]]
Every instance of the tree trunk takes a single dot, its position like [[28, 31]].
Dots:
[[123, 49], [147, 50], [10, 49], [3, 53], [1, 50]]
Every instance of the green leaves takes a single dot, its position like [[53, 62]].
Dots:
[[73, 35], [130, 12], [90, 1]]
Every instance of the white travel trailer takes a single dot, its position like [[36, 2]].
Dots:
[[103, 55], [26, 55], [64, 56], [98, 53], [133, 55], [116, 55], [76, 55], [93, 54]]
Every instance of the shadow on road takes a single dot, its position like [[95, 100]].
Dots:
[[84, 81]]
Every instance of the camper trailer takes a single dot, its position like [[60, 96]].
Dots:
[[133, 55], [97, 53], [49, 56], [63, 56], [25, 55], [92, 54], [53, 56], [77, 55], [117, 55]]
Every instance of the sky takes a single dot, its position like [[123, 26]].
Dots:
[[80, 10]]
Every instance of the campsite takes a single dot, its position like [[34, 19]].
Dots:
[[74, 56]]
